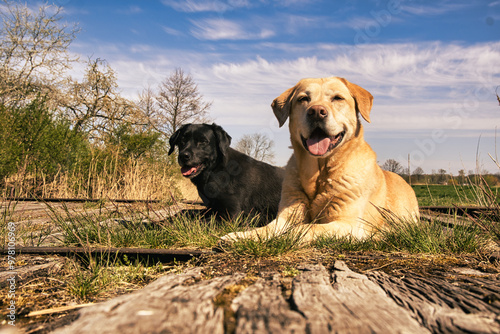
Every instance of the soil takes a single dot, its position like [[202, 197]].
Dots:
[[47, 290], [43, 283]]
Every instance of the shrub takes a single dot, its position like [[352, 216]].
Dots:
[[33, 142]]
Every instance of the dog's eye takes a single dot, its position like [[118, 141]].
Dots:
[[304, 98], [337, 98]]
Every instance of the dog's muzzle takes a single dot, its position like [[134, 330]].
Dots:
[[191, 172], [319, 143]]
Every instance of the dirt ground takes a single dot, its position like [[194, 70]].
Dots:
[[43, 280], [47, 288]]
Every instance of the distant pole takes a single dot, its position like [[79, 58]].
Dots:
[[409, 170]]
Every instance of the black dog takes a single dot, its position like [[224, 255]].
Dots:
[[228, 182]]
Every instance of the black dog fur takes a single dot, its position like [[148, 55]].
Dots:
[[229, 182]]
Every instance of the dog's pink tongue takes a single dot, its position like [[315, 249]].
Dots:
[[186, 171], [318, 146]]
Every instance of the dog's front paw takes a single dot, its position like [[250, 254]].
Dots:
[[227, 240], [231, 237]]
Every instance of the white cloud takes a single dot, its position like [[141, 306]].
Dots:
[[194, 6], [172, 31], [418, 87], [294, 3], [401, 75], [437, 8], [130, 10], [220, 6], [222, 29]]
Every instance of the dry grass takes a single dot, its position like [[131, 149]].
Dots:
[[135, 179]]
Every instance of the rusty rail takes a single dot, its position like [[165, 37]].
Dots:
[[151, 255], [79, 200], [473, 211]]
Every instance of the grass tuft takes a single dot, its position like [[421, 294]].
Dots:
[[429, 237], [419, 236], [274, 244], [114, 228]]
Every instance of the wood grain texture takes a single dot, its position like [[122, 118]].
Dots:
[[261, 308], [351, 303], [175, 303], [443, 307], [318, 300]]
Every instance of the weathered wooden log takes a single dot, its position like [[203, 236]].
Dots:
[[261, 308], [351, 303], [319, 301], [443, 307], [175, 303]]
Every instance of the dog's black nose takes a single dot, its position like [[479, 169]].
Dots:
[[184, 156], [317, 112]]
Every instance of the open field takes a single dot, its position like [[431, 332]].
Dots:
[[429, 195]]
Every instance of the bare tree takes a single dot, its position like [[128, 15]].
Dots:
[[461, 177], [498, 97], [148, 107], [33, 51], [392, 165], [179, 102], [442, 176], [94, 105], [258, 146], [418, 173]]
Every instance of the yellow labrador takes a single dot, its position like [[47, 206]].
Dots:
[[332, 181]]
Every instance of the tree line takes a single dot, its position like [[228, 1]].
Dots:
[[441, 176]]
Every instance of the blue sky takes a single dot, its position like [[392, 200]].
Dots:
[[432, 66]]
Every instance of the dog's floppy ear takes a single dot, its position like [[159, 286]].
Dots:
[[363, 99], [223, 141], [175, 138], [282, 105]]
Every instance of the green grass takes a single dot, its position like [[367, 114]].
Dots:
[[89, 278], [93, 278], [112, 229], [273, 245], [449, 195], [412, 237], [107, 228], [446, 195]]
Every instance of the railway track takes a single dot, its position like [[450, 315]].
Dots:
[[457, 209], [448, 215], [473, 211]]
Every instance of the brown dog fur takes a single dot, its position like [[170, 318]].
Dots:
[[341, 191]]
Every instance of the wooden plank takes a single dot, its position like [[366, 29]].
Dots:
[[261, 308], [24, 273], [351, 303], [175, 303], [443, 307]]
